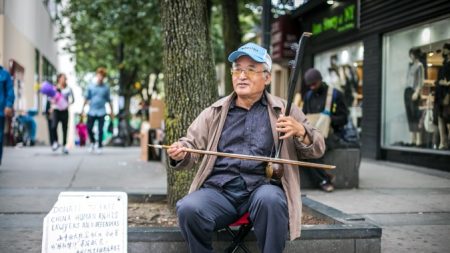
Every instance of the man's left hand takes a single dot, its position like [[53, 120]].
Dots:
[[289, 127]]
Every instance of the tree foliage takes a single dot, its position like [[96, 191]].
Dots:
[[233, 23], [122, 35], [125, 36]]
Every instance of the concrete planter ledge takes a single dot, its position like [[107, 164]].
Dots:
[[345, 233]]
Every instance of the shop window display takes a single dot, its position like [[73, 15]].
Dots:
[[341, 68], [416, 88]]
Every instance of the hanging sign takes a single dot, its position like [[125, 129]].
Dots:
[[340, 18]]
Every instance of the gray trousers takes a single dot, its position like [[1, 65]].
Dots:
[[207, 210]]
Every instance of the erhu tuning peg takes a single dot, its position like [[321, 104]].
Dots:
[[294, 46]]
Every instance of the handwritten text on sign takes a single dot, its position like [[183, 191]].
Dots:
[[87, 222]]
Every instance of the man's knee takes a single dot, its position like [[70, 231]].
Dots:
[[270, 196], [187, 209]]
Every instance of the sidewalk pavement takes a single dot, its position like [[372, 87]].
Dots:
[[411, 204]]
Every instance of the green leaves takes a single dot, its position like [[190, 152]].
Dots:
[[123, 35], [119, 35]]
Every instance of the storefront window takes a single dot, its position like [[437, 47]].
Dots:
[[342, 68], [416, 88], [48, 71]]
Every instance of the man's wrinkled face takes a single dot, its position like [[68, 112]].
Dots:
[[249, 77]]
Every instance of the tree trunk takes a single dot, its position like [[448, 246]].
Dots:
[[189, 77], [231, 36]]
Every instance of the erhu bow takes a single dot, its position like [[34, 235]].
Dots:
[[276, 170], [250, 157]]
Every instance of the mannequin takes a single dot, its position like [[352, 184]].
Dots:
[[442, 99], [351, 85], [414, 83], [337, 80]]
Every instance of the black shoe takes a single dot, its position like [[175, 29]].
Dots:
[[331, 178], [327, 187]]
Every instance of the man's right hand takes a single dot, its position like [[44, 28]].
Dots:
[[176, 151]]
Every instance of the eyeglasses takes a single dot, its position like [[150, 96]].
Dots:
[[250, 73]]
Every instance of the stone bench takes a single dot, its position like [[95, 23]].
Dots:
[[345, 233], [347, 163]]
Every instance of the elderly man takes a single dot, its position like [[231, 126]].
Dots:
[[249, 122]]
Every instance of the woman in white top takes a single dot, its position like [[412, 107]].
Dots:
[[60, 108]]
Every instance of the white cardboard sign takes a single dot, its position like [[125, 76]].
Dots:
[[87, 222]]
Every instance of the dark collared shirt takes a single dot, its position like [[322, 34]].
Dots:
[[244, 132]]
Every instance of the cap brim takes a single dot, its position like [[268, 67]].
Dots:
[[236, 54]]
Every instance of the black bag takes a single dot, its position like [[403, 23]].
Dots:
[[348, 136], [349, 133]]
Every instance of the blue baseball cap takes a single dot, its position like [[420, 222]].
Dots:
[[254, 51]]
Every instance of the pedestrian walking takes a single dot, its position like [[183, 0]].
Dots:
[[97, 96], [60, 111], [82, 131]]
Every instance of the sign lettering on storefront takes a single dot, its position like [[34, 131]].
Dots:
[[284, 34], [340, 20]]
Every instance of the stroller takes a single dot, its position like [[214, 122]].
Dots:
[[24, 128]]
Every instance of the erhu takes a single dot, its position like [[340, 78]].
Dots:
[[276, 170]]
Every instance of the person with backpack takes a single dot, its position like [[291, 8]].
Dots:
[[325, 108], [6, 103]]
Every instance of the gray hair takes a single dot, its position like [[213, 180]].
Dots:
[[265, 66]]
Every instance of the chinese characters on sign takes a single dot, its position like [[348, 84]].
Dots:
[[87, 222]]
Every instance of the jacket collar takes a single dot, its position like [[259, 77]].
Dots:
[[271, 100]]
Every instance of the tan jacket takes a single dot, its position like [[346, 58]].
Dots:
[[204, 133]]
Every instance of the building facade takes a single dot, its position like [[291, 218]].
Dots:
[[377, 52], [29, 51]]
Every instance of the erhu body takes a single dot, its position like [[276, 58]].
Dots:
[[275, 170]]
